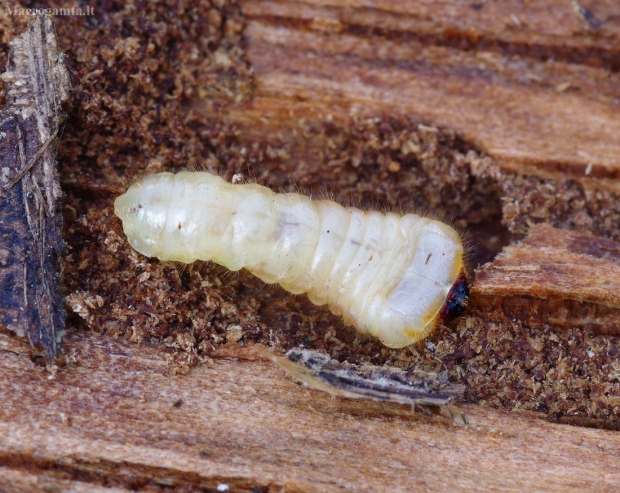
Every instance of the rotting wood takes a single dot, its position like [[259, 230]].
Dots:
[[113, 428], [553, 277], [392, 57], [37, 84], [114, 290], [123, 422]]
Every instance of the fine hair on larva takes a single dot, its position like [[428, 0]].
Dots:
[[393, 276]]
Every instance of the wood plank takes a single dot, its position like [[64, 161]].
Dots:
[[553, 277], [529, 113], [113, 417]]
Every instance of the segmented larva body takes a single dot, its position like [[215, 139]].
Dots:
[[392, 276]]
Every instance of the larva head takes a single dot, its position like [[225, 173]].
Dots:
[[143, 210], [457, 300]]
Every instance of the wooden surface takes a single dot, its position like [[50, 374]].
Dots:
[[117, 419], [450, 64], [532, 85], [556, 278]]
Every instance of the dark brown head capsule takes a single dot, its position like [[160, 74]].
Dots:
[[457, 300]]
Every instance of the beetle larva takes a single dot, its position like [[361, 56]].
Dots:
[[394, 277]]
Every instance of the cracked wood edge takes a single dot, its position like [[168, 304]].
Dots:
[[554, 277]]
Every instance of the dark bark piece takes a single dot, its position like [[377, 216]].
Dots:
[[31, 246], [554, 277]]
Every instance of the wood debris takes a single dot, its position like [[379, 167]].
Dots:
[[422, 390]]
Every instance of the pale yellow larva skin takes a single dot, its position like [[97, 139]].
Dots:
[[386, 274]]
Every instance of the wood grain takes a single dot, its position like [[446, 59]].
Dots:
[[544, 112], [113, 417]]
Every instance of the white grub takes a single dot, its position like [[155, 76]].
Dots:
[[389, 275]]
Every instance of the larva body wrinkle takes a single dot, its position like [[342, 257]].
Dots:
[[394, 277]]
